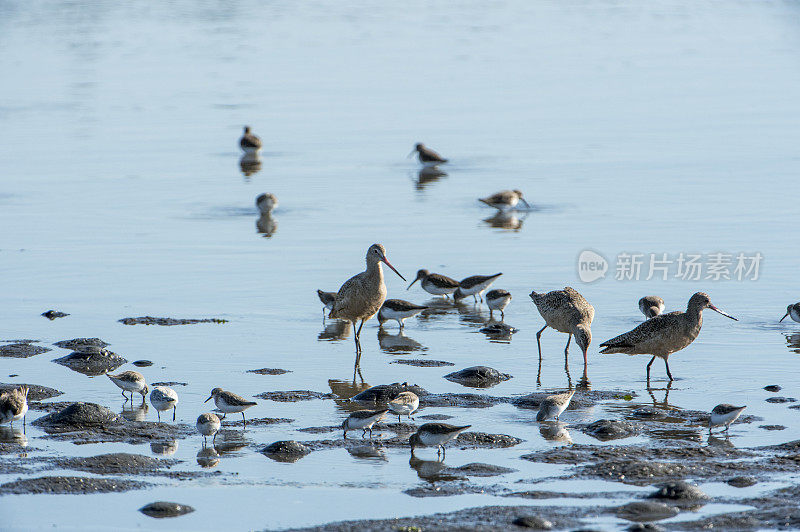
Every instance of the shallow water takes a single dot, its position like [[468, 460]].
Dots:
[[655, 128]]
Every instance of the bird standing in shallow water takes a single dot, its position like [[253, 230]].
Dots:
[[249, 142], [435, 283], [426, 155], [208, 424], [361, 296], [793, 311], [664, 334], [163, 398], [130, 381], [473, 286], [327, 299], [405, 404], [398, 310], [229, 402], [14, 405], [435, 434], [505, 200], [553, 405], [498, 299], [651, 306], [568, 312], [724, 414], [363, 419], [266, 203]]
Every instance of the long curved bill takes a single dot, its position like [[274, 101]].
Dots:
[[715, 309], [783, 318], [392, 267]]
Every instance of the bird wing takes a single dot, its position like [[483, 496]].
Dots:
[[651, 330]]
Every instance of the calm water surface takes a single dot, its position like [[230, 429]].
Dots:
[[664, 127]]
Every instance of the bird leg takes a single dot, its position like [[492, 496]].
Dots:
[[569, 339], [502, 315], [125, 396], [668, 373], [214, 439], [159, 415], [480, 296], [538, 341], [173, 413], [244, 421], [363, 434], [648, 368]]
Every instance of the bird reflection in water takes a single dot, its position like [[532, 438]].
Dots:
[[506, 220], [230, 441], [555, 431], [250, 164], [431, 470], [498, 332], [722, 442], [368, 452], [334, 330], [793, 342], [471, 313], [398, 343], [266, 225], [344, 390], [428, 175], [9, 434], [135, 413], [207, 457], [583, 384], [661, 404], [164, 448], [437, 308]]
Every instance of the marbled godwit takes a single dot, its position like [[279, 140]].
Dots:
[[363, 419], [249, 142], [498, 299], [14, 405], [665, 334], [229, 402], [327, 299], [554, 405], [437, 434], [435, 283], [505, 200], [398, 310], [568, 312], [163, 398], [426, 155], [793, 311], [473, 286], [266, 203], [724, 414], [208, 424], [405, 404], [361, 296], [651, 306], [130, 381]]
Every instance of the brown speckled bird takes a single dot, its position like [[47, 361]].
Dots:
[[568, 312]]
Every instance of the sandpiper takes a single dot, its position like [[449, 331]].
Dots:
[[363, 419], [473, 286], [724, 414], [567, 312], [266, 203], [435, 283], [437, 434], [130, 381], [163, 398], [651, 306], [793, 311], [498, 299], [553, 405], [398, 310], [208, 425], [665, 334], [426, 155], [249, 142], [505, 200], [405, 404], [361, 296], [327, 299], [229, 402], [14, 405]]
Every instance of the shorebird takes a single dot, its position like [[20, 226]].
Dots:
[[505, 200], [724, 414], [554, 405], [130, 381], [363, 419], [793, 311], [651, 306], [426, 155], [163, 398], [665, 334], [249, 142], [398, 310], [473, 286], [266, 203], [435, 283], [14, 405], [405, 404], [568, 312], [498, 299], [437, 434], [208, 425], [327, 299], [229, 402], [361, 296]]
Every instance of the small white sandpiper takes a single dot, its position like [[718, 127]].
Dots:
[[498, 299], [208, 425], [651, 306], [398, 310], [163, 398], [229, 402], [435, 434], [363, 419], [266, 203], [14, 405], [130, 381], [553, 405], [435, 283], [405, 404], [724, 414], [505, 200]]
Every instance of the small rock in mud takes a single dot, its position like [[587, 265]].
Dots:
[[383, 393], [772, 388], [678, 490], [77, 416], [781, 400], [436, 417], [648, 412], [70, 485], [292, 396], [476, 469], [81, 344], [772, 427], [142, 363], [499, 329], [423, 362], [646, 511], [91, 363], [533, 522], [259, 421], [486, 441], [35, 391], [268, 371], [167, 322], [611, 429], [114, 464], [478, 377], [743, 482], [445, 490], [464, 400], [320, 430], [169, 383], [645, 527], [285, 451], [21, 350], [162, 509], [54, 314]]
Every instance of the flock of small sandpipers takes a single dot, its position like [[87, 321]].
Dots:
[[364, 295]]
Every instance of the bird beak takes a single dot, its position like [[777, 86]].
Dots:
[[417, 279], [207, 400], [412, 153], [715, 309], [392, 267], [527, 205], [783, 318]]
